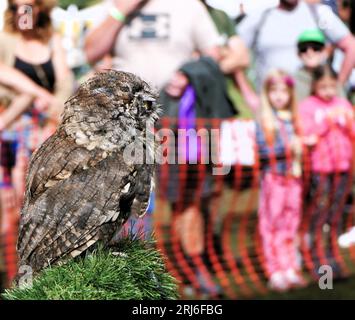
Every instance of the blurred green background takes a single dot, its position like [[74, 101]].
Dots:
[[80, 3]]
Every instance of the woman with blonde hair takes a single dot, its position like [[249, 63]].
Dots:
[[281, 188], [31, 97]]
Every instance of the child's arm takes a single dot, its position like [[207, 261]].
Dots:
[[247, 91], [310, 140]]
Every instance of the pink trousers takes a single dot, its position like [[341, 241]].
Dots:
[[279, 218]]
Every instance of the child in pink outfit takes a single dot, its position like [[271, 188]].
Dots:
[[281, 188], [328, 121], [331, 124]]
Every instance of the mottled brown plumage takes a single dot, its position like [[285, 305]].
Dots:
[[79, 187]]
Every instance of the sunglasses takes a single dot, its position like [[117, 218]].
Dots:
[[14, 7], [315, 46]]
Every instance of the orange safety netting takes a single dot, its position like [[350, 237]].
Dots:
[[206, 221], [232, 261]]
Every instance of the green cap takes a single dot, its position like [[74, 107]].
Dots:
[[314, 35]]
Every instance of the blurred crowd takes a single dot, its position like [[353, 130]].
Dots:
[[286, 70]]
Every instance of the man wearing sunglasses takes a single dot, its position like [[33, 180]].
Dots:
[[277, 31]]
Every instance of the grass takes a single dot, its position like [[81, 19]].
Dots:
[[138, 272]]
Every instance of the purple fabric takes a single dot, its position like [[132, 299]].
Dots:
[[189, 145], [187, 113]]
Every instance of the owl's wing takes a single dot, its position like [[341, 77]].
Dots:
[[57, 159], [144, 185], [68, 217]]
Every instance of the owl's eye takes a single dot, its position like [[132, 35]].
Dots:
[[137, 87], [148, 104]]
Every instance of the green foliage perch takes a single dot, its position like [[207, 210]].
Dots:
[[138, 273]]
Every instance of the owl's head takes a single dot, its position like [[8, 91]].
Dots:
[[114, 105]]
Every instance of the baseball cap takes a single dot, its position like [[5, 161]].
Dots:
[[314, 35]]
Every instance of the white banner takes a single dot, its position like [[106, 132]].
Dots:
[[237, 142]]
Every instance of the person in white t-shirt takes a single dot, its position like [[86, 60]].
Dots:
[[273, 34], [157, 41]]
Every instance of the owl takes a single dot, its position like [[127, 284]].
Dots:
[[80, 187]]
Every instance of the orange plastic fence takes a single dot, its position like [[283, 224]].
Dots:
[[206, 220], [232, 263]]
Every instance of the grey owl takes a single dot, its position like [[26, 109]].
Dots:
[[79, 188]]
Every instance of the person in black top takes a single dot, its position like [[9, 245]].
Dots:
[[29, 109]]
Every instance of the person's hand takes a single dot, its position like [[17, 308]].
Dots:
[[346, 118], [339, 111], [43, 101], [341, 115], [41, 104], [177, 85], [127, 6], [296, 145], [55, 111], [234, 56], [348, 114], [311, 140]]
